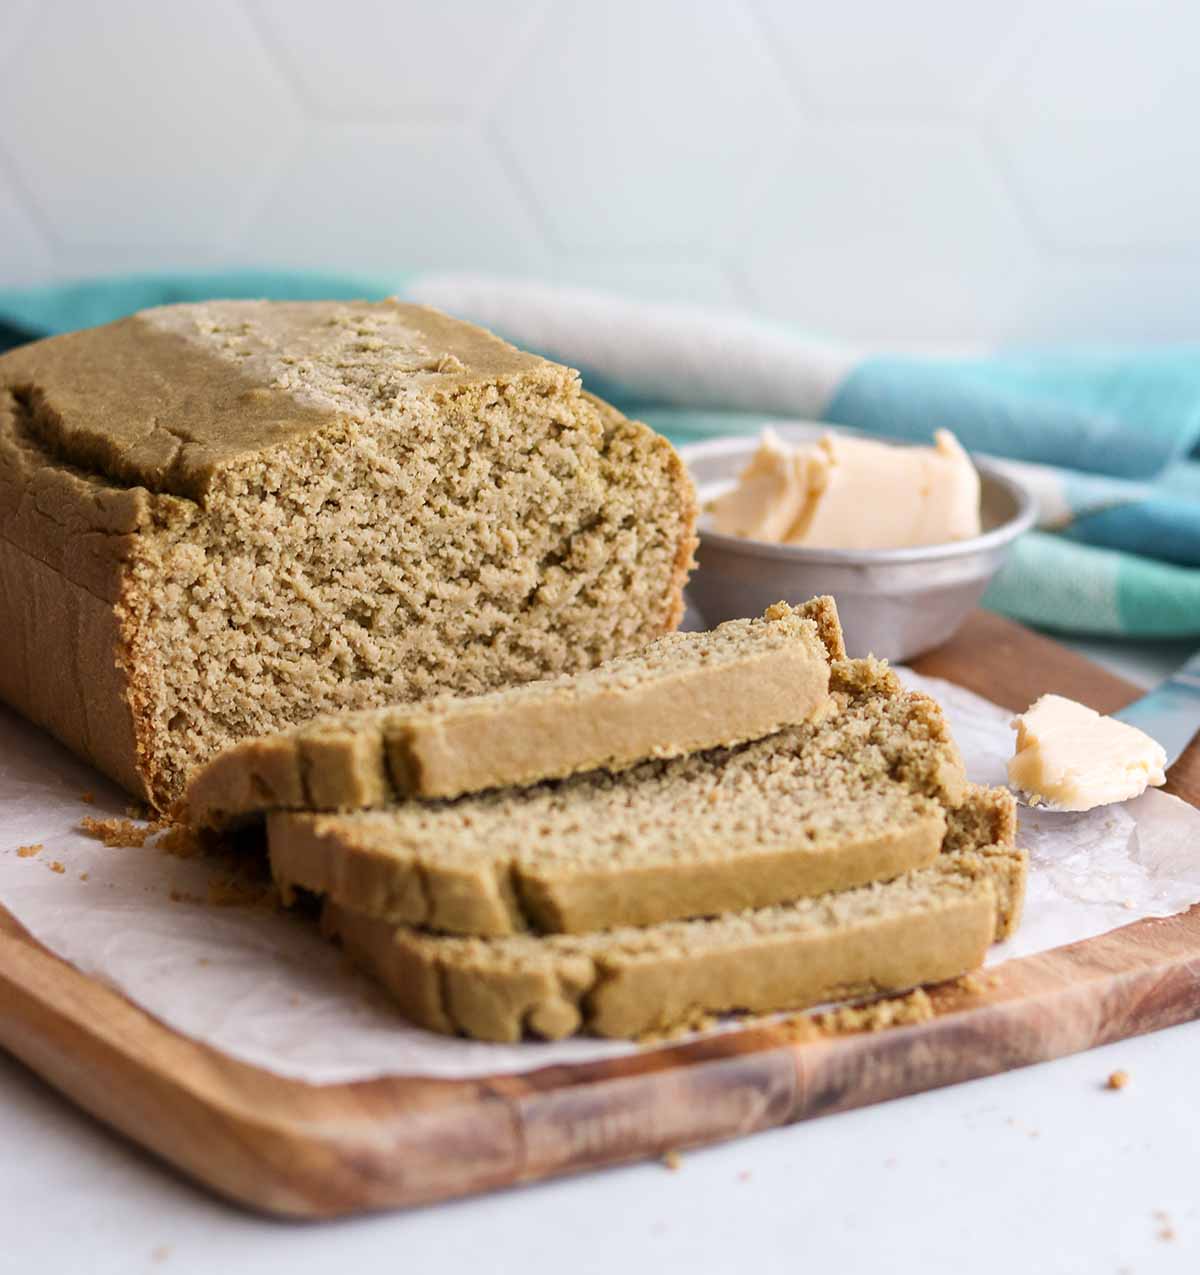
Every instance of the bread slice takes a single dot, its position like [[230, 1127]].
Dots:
[[932, 924], [858, 796], [220, 520], [682, 693]]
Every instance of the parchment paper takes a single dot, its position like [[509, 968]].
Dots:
[[266, 988]]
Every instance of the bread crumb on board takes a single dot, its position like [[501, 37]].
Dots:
[[241, 890], [893, 1011], [697, 1022], [672, 1160], [242, 880], [58, 866], [1117, 1079], [1166, 1229], [27, 852], [117, 832], [181, 842]]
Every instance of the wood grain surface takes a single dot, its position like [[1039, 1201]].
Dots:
[[299, 1150]]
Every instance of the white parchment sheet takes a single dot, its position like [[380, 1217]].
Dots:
[[267, 989]]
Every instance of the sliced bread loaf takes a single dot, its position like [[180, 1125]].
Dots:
[[682, 693], [859, 796], [220, 520], [932, 924]]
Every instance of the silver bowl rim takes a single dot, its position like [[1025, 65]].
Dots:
[[996, 538]]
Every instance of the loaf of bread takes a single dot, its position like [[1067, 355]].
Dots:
[[932, 924], [861, 795], [218, 521], [682, 693]]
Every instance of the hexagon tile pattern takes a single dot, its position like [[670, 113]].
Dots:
[[1101, 146], [135, 123], [387, 59], [381, 199], [922, 57], [923, 172], [637, 126], [850, 202]]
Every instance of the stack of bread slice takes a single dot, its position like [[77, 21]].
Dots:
[[740, 820]]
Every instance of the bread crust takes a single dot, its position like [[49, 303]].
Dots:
[[933, 924], [114, 438], [680, 694]]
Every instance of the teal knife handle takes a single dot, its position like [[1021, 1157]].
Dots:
[[1171, 712]]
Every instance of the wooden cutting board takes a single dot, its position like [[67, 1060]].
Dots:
[[324, 1151]]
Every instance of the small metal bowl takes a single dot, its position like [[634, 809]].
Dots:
[[894, 603]]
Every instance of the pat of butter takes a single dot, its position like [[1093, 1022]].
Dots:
[[853, 493], [1071, 758]]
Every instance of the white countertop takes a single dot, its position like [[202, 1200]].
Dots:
[[1041, 1170], [1038, 1170]]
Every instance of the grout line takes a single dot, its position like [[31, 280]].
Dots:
[[762, 33], [277, 56], [491, 135], [535, 21], [995, 154], [28, 203], [256, 196]]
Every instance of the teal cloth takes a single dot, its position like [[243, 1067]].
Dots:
[[29, 313], [1103, 437]]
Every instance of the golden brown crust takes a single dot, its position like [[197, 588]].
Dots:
[[859, 795], [682, 693], [931, 925], [689, 508], [495, 896], [124, 448], [685, 557], [166, 398], [63, 666]]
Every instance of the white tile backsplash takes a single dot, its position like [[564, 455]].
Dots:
[[383, 198], [638, 126], [926, 171], [919, 59], [357, 60], [138, 123], [886, 228]]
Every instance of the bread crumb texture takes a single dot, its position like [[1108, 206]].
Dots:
[[240, 877], [27, 852], [873, 789], [925, 927], [123, 833], [892, 1011], [260, 512], [1117, 1079], [680, 694]]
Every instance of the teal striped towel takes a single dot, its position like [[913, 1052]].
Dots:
[[1104, 439]]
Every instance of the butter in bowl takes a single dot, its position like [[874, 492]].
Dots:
[[906, 538]]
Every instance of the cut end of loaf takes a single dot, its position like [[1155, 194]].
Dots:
[[337, 506], [682, 693], [927, 926]]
